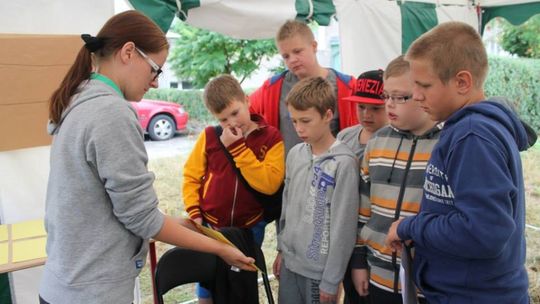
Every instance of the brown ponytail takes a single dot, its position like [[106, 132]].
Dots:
[[119, 29], [79, 71]]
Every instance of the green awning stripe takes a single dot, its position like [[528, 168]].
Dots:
[[161, 11], [515, 13], [323, 10], [416, 19]]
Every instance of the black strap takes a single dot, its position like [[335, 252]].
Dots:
[[256, 193], [398, 208]]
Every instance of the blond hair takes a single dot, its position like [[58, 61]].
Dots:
[[452, 47], [397, 67], [293, 28], [312, 92], [221, 91]]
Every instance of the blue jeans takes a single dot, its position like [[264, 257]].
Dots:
[[258, 237]]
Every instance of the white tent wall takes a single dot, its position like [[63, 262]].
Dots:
[[54, 16], [23, 184], [241, 18], [371, 31], [24, 172]]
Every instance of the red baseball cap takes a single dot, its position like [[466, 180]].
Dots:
[[369, 87]]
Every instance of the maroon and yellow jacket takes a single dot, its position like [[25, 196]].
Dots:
[[211, 188]]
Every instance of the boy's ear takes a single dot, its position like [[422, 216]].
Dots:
[[314, 45], [464, 82], [328, 115]]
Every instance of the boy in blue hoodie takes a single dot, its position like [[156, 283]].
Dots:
[[469, 234]]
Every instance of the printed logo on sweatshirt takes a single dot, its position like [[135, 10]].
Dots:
[[262, 152], [436, 186], [320, 184]]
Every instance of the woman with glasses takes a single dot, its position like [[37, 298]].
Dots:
[[101, 208]]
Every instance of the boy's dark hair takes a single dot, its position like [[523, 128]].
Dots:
[[397, 67], [221, 91], [452, 47], [293, 28], [312, 92]]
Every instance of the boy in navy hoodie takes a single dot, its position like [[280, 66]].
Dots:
[[469, 233]]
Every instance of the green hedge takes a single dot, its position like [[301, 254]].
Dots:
[[190, 99], [519, 80]]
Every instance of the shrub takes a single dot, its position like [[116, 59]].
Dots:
[[519, 81]]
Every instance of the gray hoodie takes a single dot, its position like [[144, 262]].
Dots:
[[101, 208], [319, 215]]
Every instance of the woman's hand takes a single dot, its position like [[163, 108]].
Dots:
[[236, 258]]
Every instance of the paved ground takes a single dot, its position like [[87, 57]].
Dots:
[[180, 144]]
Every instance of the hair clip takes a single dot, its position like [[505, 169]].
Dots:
[[92, 43]]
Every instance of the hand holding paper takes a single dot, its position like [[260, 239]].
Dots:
[[218, 236]]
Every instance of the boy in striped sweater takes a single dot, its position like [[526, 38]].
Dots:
[[393, 174]]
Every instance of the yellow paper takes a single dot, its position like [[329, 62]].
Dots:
[[27, 229], [4, 253], [3, 233], [216, 235], [29, 249]]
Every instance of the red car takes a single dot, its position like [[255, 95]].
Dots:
[[161, 119]]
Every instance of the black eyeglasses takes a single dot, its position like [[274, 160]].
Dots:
[[396, 98], [155, 68]]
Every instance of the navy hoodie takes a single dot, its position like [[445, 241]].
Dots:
[[469, 233]]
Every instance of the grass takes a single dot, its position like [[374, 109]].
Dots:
[[531, 172], [168, 187]]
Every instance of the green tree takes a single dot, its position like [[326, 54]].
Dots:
[[199, 55], [522, 40]]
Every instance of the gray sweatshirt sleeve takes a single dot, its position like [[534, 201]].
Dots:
[[281, 223], [343, 224], [115, 149]]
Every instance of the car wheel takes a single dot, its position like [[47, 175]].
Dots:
[[161, 127]]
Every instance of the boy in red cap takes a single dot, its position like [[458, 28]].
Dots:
[[371, 116], [370, 111]]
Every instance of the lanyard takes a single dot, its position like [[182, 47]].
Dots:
[[107, 81]]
